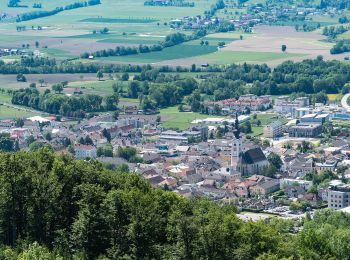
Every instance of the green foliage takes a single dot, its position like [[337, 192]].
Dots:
[[6, 143], [275, 160], [88, 212]]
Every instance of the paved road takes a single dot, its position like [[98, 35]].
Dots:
[[344, 102]]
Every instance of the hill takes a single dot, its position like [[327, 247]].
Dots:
[[54, 207]]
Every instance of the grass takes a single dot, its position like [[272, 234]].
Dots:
[[4, 98], [57, 53], [129, 100], [186, 50], [13, 113], [133, 40], [257, 130], [265, 119], [334, 97], [172, 118], [227, 57], [103, 87], [116, 20]]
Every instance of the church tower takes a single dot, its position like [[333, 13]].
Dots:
[[236, 146]]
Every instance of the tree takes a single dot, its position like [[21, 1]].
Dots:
[[125, 76], [284, 48], [48, 136], [19, 122], [41, 82], [206, 43], [21, 78], [99, 75], [269, 171], [58, 88], [275, 160], [6, 143], [106, 134], [133, 89]]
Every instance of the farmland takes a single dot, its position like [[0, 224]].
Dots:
[[68, 34]]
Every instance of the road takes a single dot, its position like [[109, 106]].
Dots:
[[344, 102]]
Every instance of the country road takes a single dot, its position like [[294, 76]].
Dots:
[[344, 102]]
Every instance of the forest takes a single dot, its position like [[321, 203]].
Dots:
[[55, 207]]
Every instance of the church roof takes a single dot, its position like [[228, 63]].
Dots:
[[252, 156]]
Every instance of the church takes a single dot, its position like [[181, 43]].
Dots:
[[245, 162]]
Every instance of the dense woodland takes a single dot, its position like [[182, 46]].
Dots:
[[56, 207]]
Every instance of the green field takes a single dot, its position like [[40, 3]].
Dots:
[[12, 113], [173, 119], [4, 98], [113, 20], [265, 119], [176, 52], [57, 53], [227, 57]]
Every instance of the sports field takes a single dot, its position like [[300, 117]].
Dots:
[[173, 119]]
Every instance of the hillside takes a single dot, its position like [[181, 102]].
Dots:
[[53, 207]]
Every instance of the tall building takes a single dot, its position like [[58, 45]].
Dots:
[[339, 196], [273, 130]]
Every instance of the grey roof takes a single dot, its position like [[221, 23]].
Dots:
[[253, 156]]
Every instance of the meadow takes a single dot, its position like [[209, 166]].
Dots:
[[13, 113]]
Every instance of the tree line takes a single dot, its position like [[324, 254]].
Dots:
[[59, 104], [170, 40], [177, 3], [313, 78], [340, 47], [40, 65], [55, 207], [39, 14]]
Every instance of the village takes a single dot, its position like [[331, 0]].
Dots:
[[246, 16], [299, 163]]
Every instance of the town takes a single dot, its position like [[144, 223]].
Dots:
[[300, 162]]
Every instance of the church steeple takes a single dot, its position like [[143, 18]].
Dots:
[[236, 131], [236, 145]]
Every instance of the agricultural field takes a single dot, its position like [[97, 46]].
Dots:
[[68, 34]]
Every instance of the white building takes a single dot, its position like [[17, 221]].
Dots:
[[85, 151], [339, 196], [273, 130]]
